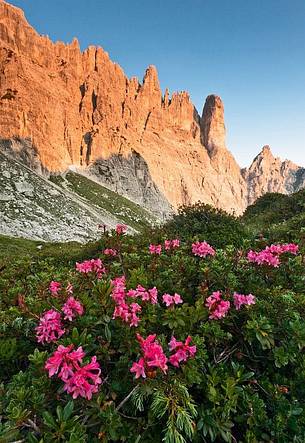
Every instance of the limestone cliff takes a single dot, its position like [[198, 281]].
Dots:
[[79, 108], [269, 174]]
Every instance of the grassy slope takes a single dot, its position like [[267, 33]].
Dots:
[[102, 198], [14, 248]]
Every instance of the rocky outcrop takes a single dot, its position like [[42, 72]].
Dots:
[[269, 174], [79, 109]]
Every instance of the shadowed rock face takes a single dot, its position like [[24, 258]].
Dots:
[[78, 108]]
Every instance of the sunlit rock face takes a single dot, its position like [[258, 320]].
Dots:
[[79, 108], [269, 174]]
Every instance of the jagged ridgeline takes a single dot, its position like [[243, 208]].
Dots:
[[78, 109]]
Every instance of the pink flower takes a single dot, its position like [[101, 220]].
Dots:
[[177, 299], [91, 266], [120, 229], [182, 351], [111, 252], [171, 244], [155, 249], [49, 328], [218, 308], [54, 287], [123, 309], [270, 255], [213, 299], [167, 244], [175, 243], [202, 249], [65, 359], [240, 300], [71, 308], [153, 355], [153, 295], [167, 299], [85, 380], [139, 368], [171, 299], [78, 380]]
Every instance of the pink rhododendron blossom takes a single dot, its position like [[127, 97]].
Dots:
[[270, 255], [217, 306], [111, 252], [72, 308], [167, 244], [139, 368], [50, 328], [171, 299], [153, 295], [150, 295], [120, 229], [128, 311], [182, 351], [85, 380], [153, 356], [175, 243], [54, 287], [202, 249], [264, 257], [95, 266], [64, 357], [171, 244], [155, 249], [123, 308], [78, 380], [240, 300]]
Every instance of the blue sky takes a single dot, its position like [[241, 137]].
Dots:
[[250, 52]]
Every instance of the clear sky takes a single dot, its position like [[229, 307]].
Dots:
[[250, 52]]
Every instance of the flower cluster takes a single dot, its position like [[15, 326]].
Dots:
[[219, 308], [155, 249], [54, 287], [170, 300], [241, 299], [50, 328], [128, 312], [271, 254], [150, 295], [120, 229], [72, 308], [154, 356], [182, 351], [111, 252], [171, 244], [78, 380], [202, 249], [95, 266]]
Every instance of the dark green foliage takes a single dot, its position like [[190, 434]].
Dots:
[[205, 222]]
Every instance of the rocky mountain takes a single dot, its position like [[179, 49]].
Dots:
[[69, 207], [73, 108], [269, 174]]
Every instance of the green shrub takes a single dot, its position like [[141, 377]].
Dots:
[[206, 222]]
